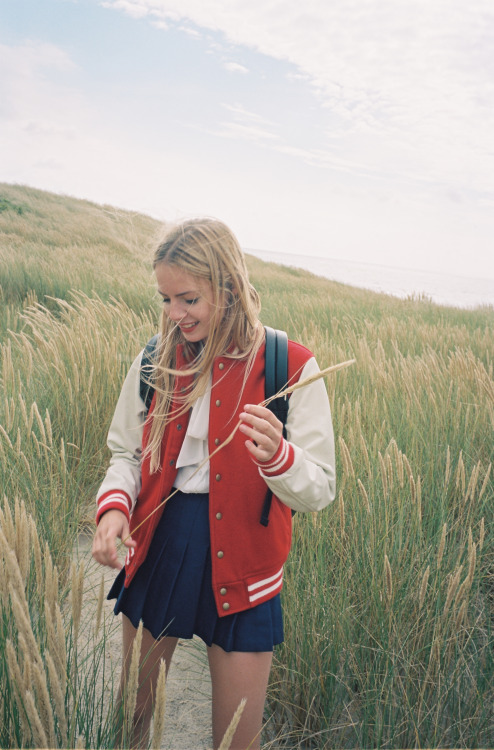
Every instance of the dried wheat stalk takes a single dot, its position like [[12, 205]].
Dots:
[[232, 727], [159, 709]]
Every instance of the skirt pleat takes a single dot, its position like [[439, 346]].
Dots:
[[172, 592]]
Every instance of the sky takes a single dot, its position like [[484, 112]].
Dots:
[[359, 130]]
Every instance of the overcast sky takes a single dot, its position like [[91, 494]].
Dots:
[[352, 129]]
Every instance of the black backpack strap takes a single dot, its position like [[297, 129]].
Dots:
[[279, 406], [276, 377], [146, 390]]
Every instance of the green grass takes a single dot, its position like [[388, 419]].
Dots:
[[388, 594]]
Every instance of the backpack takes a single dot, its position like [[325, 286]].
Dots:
[[276, 377]]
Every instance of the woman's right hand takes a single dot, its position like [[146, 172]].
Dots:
[[113, 525]]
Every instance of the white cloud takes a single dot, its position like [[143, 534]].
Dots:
[[188, 30], [133, 8], [23, 83], [401, 98], [234, 67], [248, 132], [240, 113], [49, 133], [416, 76]]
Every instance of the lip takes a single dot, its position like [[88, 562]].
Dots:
[[186, 327]]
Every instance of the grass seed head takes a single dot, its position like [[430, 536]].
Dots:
[[45, 711], [485, 482], [39, 735], [159, 707], [442, 544], [133, 681], [232, 727], [16, 681], [365, 452], [341, 508], [51, 585], [99, 606], [15, 580], [423, 587], [55, 646], [388, 577], [472, 560], [22, 539], [481, 534], [27, 677], [447, 473], [38, 565], [57, 697], [76, 592], [384, 474], [461, 616], [460, 474], [364, 495], [13, 665], [24, 627], [452, 588], [7, 525], [435, 654]]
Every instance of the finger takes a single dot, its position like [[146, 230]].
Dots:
[[260, 455], [267, 426], [105, 550], [128, 541], [260, 438], [261, 412], [262, 448]]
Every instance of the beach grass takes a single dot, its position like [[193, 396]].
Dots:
[[389, 593]]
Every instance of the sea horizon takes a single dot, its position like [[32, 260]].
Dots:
[[440, 288]]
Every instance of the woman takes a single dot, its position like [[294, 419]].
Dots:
[[203, 563]]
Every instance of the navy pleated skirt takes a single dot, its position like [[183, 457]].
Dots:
[[172, 592]]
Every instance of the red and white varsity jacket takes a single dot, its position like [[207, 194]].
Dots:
[[247, 557]]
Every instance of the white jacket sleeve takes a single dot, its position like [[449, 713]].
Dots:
[[310, 482], [125, 441]]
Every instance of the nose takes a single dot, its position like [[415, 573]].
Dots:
[[175, 311]]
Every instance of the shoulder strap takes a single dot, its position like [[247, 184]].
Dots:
[[146, 390], [276, 377], [276, 372]]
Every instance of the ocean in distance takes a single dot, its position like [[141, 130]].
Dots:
[[441, 288]]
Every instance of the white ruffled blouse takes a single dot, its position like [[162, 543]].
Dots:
[[195, 448]]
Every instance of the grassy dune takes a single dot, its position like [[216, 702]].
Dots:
[[389, 593]]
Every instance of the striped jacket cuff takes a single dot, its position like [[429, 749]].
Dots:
[[282, 460], [113, 500]]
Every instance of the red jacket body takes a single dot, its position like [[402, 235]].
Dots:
[[247, 557]]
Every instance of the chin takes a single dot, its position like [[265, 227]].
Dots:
[[193, 337]]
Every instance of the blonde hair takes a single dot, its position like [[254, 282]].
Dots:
[[207, 250]]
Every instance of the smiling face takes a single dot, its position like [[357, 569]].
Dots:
[[187, 300]]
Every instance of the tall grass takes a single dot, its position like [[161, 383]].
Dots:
[[392, 646], [52, 679], [59, 376], [388, 594]]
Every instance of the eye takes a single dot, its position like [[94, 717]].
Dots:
[[192, 301]]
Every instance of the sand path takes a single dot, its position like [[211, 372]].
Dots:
[[188, 702]]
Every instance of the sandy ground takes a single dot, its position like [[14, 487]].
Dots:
[[188, 702]]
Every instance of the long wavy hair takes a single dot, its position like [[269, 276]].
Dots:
[[207, 250]]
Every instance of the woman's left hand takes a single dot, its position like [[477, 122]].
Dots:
[[264, 430]]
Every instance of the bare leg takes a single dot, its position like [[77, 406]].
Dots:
[[236, 675], [152, 652]]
